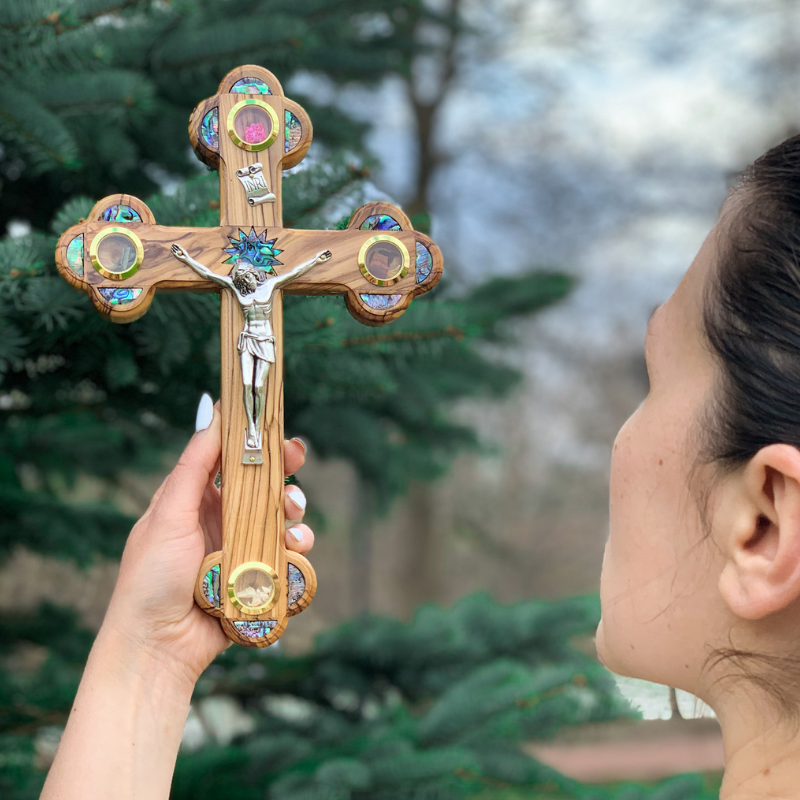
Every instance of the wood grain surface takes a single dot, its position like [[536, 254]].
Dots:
[[160, 270], [252, 494]]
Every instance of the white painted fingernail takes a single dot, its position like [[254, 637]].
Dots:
[[298, 498], [300, 442], [297, 533], [205, 412]]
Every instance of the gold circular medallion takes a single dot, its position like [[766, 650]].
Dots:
[[383, 260], [253, 587], [253, 124], [116, 253]]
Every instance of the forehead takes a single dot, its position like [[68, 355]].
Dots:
[[676, 345], [684, 309]]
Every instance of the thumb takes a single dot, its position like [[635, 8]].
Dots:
[[184, 486]]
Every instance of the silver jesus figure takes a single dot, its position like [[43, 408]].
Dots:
[[254, 288]]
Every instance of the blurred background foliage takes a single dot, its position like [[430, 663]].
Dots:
[[95, 97]]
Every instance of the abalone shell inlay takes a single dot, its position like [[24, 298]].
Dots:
[[211, 585], [381, 301], [119, 297], [255, 629], [209, 129], [380, 222], [75, 254], [120, 213], [424, 262], [294, 131], [297, 584], [250, 86]]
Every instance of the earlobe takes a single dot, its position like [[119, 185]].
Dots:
[[761, 574], [734, 592]]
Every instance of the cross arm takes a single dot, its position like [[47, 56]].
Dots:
[[373, 295], [301, 269], [202, 270], [121, 257]]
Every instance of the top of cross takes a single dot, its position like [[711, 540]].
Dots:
[[249, 115], [250, 131]]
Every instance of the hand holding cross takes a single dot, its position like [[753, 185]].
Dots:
[[253, 584]]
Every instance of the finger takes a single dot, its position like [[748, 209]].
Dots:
[[160, 491], [294, 455], [294, 504], [184, 487], [211, 516], [304, 543], [155, 499]]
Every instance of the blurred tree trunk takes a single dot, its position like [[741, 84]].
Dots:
[[361, 533], [422, 564], [426, 95]]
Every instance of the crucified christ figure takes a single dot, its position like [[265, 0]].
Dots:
[[254, 288]]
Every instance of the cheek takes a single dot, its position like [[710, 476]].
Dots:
[[632, 460], [625, 464]]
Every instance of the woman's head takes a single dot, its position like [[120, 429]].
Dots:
[[701, 575]]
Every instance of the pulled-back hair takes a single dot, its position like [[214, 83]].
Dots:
[[751, 320]]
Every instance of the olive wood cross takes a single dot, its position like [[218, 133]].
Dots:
[[250, 132]]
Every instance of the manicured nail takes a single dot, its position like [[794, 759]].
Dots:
[[300, 442], [297, 497], [205, 413], [297, 533]]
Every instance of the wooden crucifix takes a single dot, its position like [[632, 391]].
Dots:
[[250, 132]]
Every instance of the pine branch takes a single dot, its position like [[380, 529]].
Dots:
[[228, 42], [71, 213], [109, 93], [14, 16], [36, 132], [404, 336], [307, 192], [12, 346], [23, 14]]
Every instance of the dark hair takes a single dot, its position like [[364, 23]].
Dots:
[[751, 320]]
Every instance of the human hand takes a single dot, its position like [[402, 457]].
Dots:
[[152, 607]]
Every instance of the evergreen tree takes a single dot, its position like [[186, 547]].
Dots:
[[94, 99]]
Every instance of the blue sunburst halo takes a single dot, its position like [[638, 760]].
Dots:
[[255, 248]]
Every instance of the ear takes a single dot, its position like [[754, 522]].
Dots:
[[759, 514]]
